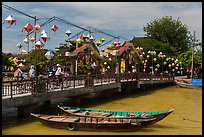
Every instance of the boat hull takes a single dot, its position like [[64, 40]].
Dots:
[[92, 125]]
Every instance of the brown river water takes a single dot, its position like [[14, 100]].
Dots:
[[185, 120]]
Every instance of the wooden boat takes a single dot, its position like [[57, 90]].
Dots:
[[190, 84], [90, 123], [88, 112]]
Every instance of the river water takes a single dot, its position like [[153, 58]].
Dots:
[[185, 120]]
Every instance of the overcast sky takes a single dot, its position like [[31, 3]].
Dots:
[[123, 19]]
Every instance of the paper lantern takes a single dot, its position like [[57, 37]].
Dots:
[[91, 38], [68, 32], [9, 20], [55, 28], [98, 43], [114, 43], [26, 41], [44, 37], [102, 39], [94, 66], [49, 55], [32, 38], [19, 45], [23, 52], [36, 28], [28, 27], [38, 44]]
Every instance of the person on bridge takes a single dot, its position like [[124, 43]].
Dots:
[[32, 72], [18, 73], [59, 73]]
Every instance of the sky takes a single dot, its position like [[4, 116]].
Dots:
[[120, 19]]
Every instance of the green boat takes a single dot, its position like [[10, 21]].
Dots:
[[89, 112]]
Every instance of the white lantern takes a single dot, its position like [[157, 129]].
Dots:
[[49, 55]]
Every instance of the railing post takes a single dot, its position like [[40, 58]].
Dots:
[[62, 83], [11, 91], [74, 80]]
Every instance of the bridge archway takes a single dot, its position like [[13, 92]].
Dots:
[[127, 57], [85, 59]]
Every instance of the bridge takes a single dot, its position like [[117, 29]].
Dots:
[[25, 93]]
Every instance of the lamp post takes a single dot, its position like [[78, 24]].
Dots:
[[152, 53], [161, 55]]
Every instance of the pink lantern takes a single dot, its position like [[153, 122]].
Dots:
[[55, 28], [32, 38], [36, 28], [10, 20], [28, 27]]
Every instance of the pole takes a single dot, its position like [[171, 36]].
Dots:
[[192, 55]]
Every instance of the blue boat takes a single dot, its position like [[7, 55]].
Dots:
[[189, 83]]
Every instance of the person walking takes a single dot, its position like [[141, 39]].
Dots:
[[32, 72], [18, 73], [59, 73]]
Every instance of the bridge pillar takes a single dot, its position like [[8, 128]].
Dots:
[[24, 111], [73, 65]]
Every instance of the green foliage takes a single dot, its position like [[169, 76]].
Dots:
[[170, 31], [186, 58], [152, 44]]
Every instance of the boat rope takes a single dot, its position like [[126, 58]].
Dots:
[[170, 124], [187, 119]]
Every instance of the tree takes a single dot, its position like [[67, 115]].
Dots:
[[152, 44], [186, 59], [170, 31]]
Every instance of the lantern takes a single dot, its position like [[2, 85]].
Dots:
[[26, 41], [38, 44], [68, 33], [23, 52], [28, 27], [114, 43], [102, 39], [91, 38], [42, 32], [55, 28], [32, 38], [44, 37], [94, 66], [49, 55], [19, 45], [36, 28], [10, 20]]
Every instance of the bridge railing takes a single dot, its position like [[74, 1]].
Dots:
[[49, 84], [128, 76], [10, 88]]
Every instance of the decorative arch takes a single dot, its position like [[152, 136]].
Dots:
[[83, 58]]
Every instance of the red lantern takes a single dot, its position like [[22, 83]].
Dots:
[[10, 20], [28, 27], [55, 28]]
